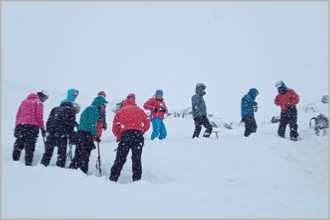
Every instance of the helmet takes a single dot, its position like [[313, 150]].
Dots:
[[76, 106], [131, 95], [159, 92], [279, 84], [101, 93], [43, 94]]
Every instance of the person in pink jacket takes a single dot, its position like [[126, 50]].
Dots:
[[29, 119], [158, 109]]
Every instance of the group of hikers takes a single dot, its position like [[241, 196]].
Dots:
[[130, 123]]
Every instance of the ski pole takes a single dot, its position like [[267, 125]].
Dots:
[[69, 154], [98, 162]]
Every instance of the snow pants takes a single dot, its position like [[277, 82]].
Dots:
[[26, 138], [250, 125], [84, 146], [199, 121], [288, 117], [134, 140], [158, 129], [58, 139]]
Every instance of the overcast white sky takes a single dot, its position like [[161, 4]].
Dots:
[[123, 47]]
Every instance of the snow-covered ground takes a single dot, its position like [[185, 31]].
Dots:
[[138, 47], [231, 176]]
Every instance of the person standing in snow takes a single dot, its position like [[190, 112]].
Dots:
[[29, 119], [129, 125], [199, 112], [71, 95], [85, 134], [60, 126], [101, 121], [248, 107], [287, 99], [158, 109]]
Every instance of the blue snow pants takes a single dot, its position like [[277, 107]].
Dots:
[[158, 129]]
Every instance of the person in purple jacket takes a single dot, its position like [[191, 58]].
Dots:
[[29, 119]]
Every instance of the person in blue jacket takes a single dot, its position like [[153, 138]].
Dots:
[[248, 107], [71, 96]]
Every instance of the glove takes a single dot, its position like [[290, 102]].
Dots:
[[43, 132], [155, 109], [255, 108], [105, 127], [97, 139], [290, 105], [162, 109]]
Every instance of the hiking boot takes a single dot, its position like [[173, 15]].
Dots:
[[294, 138]]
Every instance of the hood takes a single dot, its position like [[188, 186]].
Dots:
[[33, 96], [253, 93], [70, 97], [199, 88], [129, 102], [99, 101]]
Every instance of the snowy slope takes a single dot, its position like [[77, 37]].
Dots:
[[262, 176]]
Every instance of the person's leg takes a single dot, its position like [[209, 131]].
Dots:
[[282, 125], [19, 144], [198, 126], [122, 152], [61, 151], [293, 124], [136, 157], [208, 126], [156, 123], [163, 132], [30, 145], [50, 144]]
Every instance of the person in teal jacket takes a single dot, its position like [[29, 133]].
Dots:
[[85, 134], [248, 107]]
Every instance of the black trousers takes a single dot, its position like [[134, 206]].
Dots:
[[84, 146], [288, 117], [199, 121], [58, 139], [26, 138], [134, 140], [250, 125]]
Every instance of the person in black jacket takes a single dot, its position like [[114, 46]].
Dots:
[[60, 127], [199, 112]]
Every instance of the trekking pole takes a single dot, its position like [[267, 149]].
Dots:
[[69, 154], [98, 162], [44, 140]]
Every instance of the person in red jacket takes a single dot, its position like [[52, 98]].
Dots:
[[158, 109], [287, 99], [29, 119], [129, 125]]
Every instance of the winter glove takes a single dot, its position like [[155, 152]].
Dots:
[[105, 126], [162, 109], [290, 105], [255, 108], [155, 109], [97, 139], [43, 132]]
